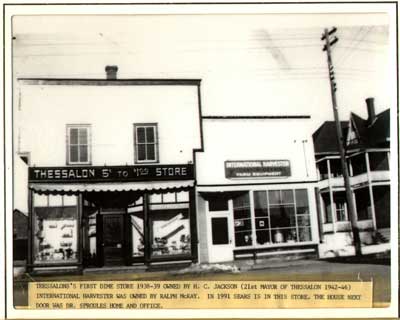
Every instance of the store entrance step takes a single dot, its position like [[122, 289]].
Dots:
[[117, 269]]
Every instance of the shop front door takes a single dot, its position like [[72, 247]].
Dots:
[[113, 239], [220, 226]]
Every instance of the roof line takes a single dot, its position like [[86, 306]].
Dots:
[[256, 117], [108, 82]]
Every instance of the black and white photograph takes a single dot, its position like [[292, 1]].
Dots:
[[233, 143]]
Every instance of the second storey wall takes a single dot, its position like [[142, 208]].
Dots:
[[45, 110], [266, 139]]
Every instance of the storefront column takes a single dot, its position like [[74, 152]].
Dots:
[[146, 231], [253, 220], [127, 243], [30, 230], [99, 239], [80, 230], [193, 225], [371, 194], [319, 214]]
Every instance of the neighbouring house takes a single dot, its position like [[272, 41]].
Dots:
[[367, 148], [20, 235]]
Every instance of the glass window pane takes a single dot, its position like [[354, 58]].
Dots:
[[55, 201], [241, 201], [219, 229], [287, 196], [150, 138], [304, 234], [73, 138], [83, 136], [151, 152], [303, 221], [303, 210], [378, 161], [218, 204], [260, 199], [137, 227], [241, 213], [141, 148], [183, 196], [262, 223], [290, 212], [170, 230], [55, 234], [261, 212], [40, 200], [243, 239], [279, 217], [274, 197], [73, 156], [260, 203], [301, 198], [242, 224], [83, 153], [284, 235], [70, 200], [155, 198], [263, 237], [140, 135], [168, 197]]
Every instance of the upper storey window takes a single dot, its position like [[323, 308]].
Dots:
[[78, 144], [146, 142]]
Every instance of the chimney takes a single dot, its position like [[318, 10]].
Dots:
[[371, 110], [111, 72]]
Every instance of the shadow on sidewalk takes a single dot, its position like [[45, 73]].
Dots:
[[381, 259]]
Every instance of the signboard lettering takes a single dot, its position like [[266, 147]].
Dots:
[[112, 173], [257, 169]]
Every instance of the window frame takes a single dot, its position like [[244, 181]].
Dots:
[[268, 228], [88, 127], [341, 207], [136, 143]]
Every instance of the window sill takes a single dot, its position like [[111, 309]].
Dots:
[[76, 164], [275, 245]]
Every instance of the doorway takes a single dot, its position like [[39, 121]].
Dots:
[[113, 242], [220, 228]]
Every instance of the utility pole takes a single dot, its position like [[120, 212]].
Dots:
[[349, 197]]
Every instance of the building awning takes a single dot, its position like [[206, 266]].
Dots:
[[70, 188]]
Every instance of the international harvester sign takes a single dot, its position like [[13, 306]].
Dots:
[[257, 169]]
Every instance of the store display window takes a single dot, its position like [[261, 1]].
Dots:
[[170, 225], [55, 225], [137, 228], [280, 217], [242, 220]]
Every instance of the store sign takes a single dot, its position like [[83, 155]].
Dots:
[[112, 173], [257, 169]]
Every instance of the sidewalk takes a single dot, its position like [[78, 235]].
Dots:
[[234, 267]]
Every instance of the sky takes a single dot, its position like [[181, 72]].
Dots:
[[250, 64]]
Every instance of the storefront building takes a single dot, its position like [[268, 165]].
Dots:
[[111, 175], [256, 189], [368, 153]]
